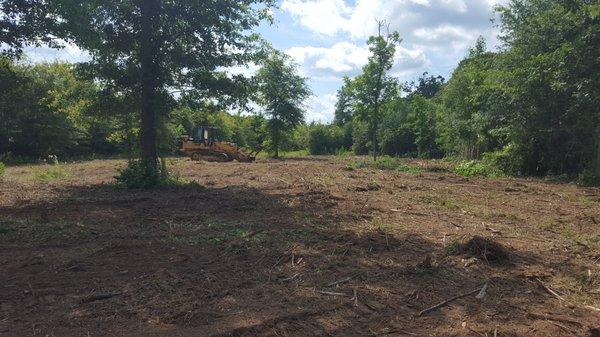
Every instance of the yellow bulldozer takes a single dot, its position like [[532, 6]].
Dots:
[[203, 145]]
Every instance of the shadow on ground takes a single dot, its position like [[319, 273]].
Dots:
[[237, 261]]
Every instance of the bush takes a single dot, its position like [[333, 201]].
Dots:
[[507, 160], [588, 178], [52, 172], [144, 174], [2, 169], [325, 139], [472, 168]]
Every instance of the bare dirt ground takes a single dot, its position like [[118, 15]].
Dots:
[[297, 247]]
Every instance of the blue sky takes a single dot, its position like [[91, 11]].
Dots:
[[327, 39]]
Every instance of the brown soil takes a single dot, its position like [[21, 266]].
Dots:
[[297, 247]]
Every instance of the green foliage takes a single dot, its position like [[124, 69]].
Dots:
[[470, 168], [144, 174], [588, 178], [51, 173], [325, 139], [373, 87], [46, 109], [27, 23], [386, 163], [282, 93], [551, 84], [2, 169], [453, 248], [343, 106]]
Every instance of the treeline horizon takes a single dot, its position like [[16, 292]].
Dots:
[[529, 108]]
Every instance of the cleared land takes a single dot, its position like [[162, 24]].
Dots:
[[298, 247]]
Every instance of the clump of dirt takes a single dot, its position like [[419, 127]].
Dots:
[[485, 249]]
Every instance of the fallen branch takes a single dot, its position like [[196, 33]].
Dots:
[[290, 278], [591, 308], [550, 291], [345, 279], [441, 304], [98, 297], [355, 298], [331, 293], [482, 292], [563, 327], [553, 318]]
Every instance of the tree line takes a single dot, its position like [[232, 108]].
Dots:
[[529, 108], [158, 68]]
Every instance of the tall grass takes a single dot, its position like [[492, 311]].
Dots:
[[386, 163], [51, 173]]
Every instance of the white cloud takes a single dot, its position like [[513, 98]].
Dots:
[[340, 58], [358, 21], [321, 108], [70, 53], [321, 16], [347, 58]]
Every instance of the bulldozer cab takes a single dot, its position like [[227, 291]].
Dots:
[[204, 134]]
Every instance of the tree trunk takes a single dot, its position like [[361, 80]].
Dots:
[[276, 142], [597, 164], [149, 50], [374, 145]]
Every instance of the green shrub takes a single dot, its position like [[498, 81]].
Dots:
[[472, 168], [325, 139], [588, 178], [2, 169], [144, 174], [507, 160], [395, 164], [51, 172]]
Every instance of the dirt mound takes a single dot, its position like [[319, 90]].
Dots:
[[485, 249]]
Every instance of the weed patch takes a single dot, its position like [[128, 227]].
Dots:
[[472, 168], [28, 232], [51, 173], [144, 174], [386, 163]]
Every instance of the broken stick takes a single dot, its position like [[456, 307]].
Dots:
[[441, 304], [549, 290], [345, 279], [331, 293], [98, 297]]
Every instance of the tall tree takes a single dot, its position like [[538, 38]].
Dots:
[[27, 22], [282, 93], [153, 48], [551, 79], [374, 86], [343, 106], [428, 85]]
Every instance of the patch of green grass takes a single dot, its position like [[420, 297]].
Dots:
[[591, 241], [31, 232], [435, 273], [472, 168], [2, 169], [4, 228], [215, 233], [285, 154], [51, 173], [452, 248], [386, 163]]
